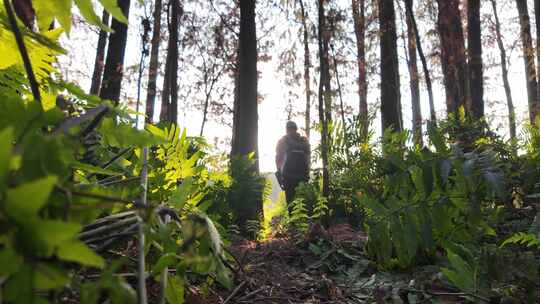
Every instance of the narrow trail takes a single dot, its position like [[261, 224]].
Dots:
[[322, 267]]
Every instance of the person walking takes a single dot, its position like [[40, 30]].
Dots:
[[293, 155]]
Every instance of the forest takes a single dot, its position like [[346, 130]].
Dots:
[[138, 149]]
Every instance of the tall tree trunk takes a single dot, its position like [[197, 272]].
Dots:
[[359, 18], [154, 62], [390, 93], [25, 12], [528, 58], [474, 44], [100, 57], [114, 65], [307, 64], [173, 48], [414, 82], [325, 102], [169, 103], [537, 18], [453, 57], [410, 16], [338, 82], [166, 91], [504, 69], [245, 121]]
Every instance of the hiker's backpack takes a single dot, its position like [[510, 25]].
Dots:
[[296, 164]]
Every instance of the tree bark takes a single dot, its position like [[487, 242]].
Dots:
[[537, 18], [245, 121], [410, 15], [165, 92], [453, 57], [154, 62], [390, 92], [474, 44], [100, 57], [504, 69], [359, 18], [325, 103], [114, 65], [173, 48], [528, 58], [307, 64], [169, 102], [414, 82], [25, 12]]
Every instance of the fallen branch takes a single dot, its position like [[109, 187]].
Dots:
[[235, 291], [451, 294], [117, 237], [75, 121], [245, 297]]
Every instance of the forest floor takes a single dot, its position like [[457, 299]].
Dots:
[[324, 266]]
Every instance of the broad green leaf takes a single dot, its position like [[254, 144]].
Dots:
[[6, 143], [408, 222], [174, 292], [87, 11], [179, 196], [18, 288], [156, 131], [399, 240], [48, 10], [112, 7], [55, 233], [26, 200], [8, 49], [48, 277], [461, 274], [10, 261], [165, 260], [48, 100], [123, 135], [76, 251], [223, 276]]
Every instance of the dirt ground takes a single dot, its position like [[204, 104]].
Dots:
[[324, 266]]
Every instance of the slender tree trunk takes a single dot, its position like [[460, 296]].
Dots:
[[359, 18], [390, 93], [173, 48], [154, 62], [528, 58], [208, 95], [474, 44], [100, 57], [166, 91], [307, 64], [453, 57], [410, 16], [338, 82], [414, 82], [504, 69], [245, 121], [114, 65], [325, 103], [169, 102]]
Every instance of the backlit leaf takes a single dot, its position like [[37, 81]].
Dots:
[[174, 293], [26, 200], [76, 251]]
